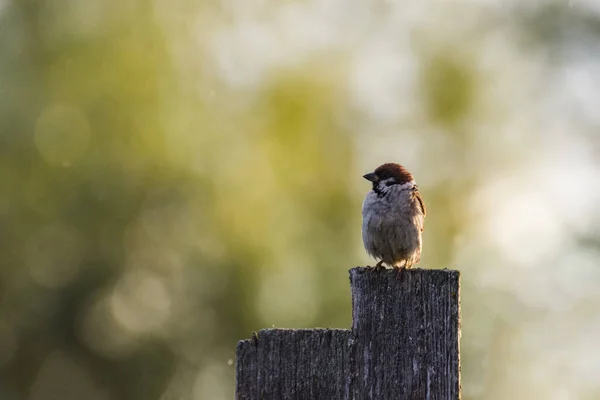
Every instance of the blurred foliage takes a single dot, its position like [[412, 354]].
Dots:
[[448, 88], [173, 177], [124, 264]]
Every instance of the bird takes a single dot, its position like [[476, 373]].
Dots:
[[393, 217]]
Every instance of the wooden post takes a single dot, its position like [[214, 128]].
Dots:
[[404, 344]]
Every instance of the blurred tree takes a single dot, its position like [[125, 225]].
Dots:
[[122, 258], [176, 175]]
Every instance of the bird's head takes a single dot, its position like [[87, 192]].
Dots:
[[387, 175]]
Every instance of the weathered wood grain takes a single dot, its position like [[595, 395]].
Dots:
[[406, 327], [404, 344], [294, 364]]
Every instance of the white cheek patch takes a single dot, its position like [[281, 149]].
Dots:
[[407, 185], [385, 185]]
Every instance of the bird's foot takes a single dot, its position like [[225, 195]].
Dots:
[[405, 265], [380, 266]]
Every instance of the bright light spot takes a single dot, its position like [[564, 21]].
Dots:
[[571, 183], [99, 330], [381, 77], [518, 218], [62, 134], [141, 302], [53, 255]]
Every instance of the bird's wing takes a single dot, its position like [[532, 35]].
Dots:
[[421, 204]]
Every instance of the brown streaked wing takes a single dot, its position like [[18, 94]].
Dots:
[[418, 196]]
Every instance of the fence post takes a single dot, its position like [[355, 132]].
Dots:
[[404, 344]]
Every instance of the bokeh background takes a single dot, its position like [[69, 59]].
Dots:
[[175, 175]]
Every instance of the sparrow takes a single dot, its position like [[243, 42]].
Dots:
[[393, 217]]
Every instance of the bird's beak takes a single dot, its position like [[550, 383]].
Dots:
[[371, 177]]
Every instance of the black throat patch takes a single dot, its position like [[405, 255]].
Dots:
[[380, 193]]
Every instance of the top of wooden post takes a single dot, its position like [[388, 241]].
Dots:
[[404, 344]]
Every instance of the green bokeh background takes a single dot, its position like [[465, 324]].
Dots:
[[174, 176]]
